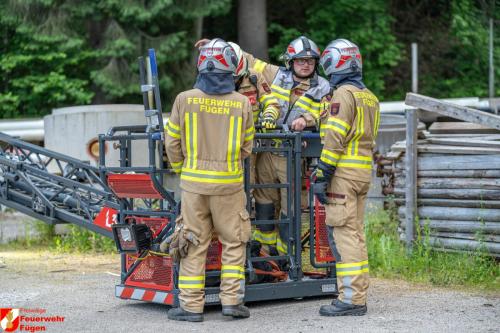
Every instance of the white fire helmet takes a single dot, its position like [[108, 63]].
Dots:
[[242, 67], [341, 57], [301, 47], [217, 56]]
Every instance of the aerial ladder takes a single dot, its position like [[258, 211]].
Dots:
[[134, 206]]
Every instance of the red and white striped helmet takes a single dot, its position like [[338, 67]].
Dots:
[[242, 67], [341, 57], [217, 56], [301, 47]]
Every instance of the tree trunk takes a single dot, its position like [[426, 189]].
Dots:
[[252, 27]]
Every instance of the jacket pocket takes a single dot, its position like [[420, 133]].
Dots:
[[246, 227], [336, 211]]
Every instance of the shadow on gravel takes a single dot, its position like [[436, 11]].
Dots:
[[160, 308]]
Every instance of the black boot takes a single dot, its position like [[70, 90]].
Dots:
[[182, 315], [339, 308], [235, 311]]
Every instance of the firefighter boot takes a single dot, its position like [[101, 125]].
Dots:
[[265, 233], [235, 311], [182, 315], [339, 308]]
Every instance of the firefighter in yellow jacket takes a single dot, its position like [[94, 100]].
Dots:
[[264, 104], [299, 90], [266, 109], [349, 127], [209, 133]]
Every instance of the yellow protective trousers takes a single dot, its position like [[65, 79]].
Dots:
[[345, 213], [227, 216]]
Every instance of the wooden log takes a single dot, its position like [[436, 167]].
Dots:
[[453, 110], [447, 173], [450, 127], [470, 194], [446, 149], [459, 173], [491, 137], [452, 162], [486, 228], [477, 236], [464, 244], [428, 135], [456, 183], [453, 203], [392, 155], [470, 236], [461, 245], [456, 213], [464, 142]]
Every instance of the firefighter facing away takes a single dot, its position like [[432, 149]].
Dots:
[[209, 133], [299, 90], [349, 126]]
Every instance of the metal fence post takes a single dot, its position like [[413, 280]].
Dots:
[[411, 175]]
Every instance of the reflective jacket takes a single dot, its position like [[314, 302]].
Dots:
[[255, 87], [207, 137], [349, 127], [298, 100]]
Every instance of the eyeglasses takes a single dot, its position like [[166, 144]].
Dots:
[[303, 61]]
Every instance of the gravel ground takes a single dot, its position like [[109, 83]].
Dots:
[[81, 288]]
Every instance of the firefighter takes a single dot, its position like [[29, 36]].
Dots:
[[208, 134], [264, 106], [266, 109], [299, 90], [349, 127]]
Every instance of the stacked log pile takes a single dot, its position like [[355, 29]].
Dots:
[[458, 187]]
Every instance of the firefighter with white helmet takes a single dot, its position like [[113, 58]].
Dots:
[[299, 90], [209, 133], [349, 126], [264, 106]]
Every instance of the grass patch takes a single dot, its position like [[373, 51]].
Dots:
[[82, 240], [389, 259], [77, 240]]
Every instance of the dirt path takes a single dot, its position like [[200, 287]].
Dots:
[[81, 288]]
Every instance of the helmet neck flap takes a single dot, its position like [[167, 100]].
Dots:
[[215, 83]]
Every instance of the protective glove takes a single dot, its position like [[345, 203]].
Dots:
[[268, 122], [178, 243], [319, 188], [156, 136], [324, 174]]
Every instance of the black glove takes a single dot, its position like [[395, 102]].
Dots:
[[268, 122], [319, 190], [324, 174]]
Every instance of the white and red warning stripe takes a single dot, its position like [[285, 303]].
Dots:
[[146, 295]]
